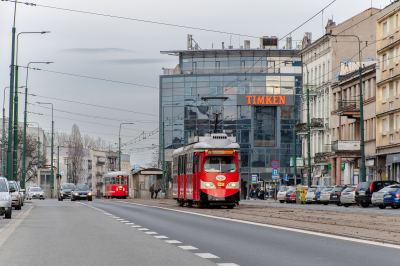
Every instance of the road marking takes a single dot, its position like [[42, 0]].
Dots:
[[302, 231], [187, 247], [10, 227], [115, 217], [136, 226], [173, 241], [227, 264], [130, 223], [120, 219], [151, 233], [207, 255], [143, 229], [161, 237], [124, 221]]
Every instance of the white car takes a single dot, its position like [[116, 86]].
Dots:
[[35, 193], [281, 194], [15, 194], [5, 198], [347, 197], [310, 196]]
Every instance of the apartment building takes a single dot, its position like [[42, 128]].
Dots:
[[322, 62], [388, 90]]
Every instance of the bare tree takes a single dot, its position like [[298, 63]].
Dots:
[[154, 163], [75, 151]]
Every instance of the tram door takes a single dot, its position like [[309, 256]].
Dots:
[[196, 171]]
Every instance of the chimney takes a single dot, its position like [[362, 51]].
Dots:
[[223, 46], [246, 44], [230, 47], [289, 43]]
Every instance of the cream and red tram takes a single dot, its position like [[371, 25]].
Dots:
[[206, 171]]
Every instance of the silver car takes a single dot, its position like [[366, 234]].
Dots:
[[35, 193], [5, 198], [326, 195], [377, 197], [310, 196], [15, 194], [348, 196], [281, 194]]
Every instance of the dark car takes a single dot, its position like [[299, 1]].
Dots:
[[65, 191], [364, 191], [392, 197], [81, 192], [336, 193], [288, 192]]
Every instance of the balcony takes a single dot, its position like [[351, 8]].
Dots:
[[346, 148], [101, 161], [301, 129], [321, 158], [317, 124], [100, 173], [89, 176], [351, 109]]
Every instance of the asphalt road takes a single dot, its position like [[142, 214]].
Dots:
[[246, 243], [330, 207]]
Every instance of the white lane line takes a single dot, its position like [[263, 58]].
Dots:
[[151, 233], [302, 231], [161, 237], [130, 223], [207, 255], [136, 226], [115, 217], [173, 241], [187, 247], [227, 264], [124, 221], [120, 219], [143, 229]]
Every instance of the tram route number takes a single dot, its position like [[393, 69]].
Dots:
[[221, 184]]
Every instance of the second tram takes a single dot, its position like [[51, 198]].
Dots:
[[116, 185]]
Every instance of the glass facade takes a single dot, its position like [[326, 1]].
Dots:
[[264, 132]]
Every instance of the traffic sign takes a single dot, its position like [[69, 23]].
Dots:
[[254, 178], [62, 173], [275, 164], [286, 178], [275, 172], [136, 167]]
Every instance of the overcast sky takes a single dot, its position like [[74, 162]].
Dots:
[[127, 52]]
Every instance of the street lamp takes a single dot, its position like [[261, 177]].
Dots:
[[16, 107], [3, 145], [25, 118], [163, 149], [308, 133], [52, 145], [119, 150], [363, 173], [38, 162]]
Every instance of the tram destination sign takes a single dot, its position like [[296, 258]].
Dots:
[[269, 100]]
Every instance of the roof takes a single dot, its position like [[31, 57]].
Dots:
[[229, 51]]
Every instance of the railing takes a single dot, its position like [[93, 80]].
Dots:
[[264, 143], [99, 173], [348, 106], [89, 166], [219, 70], [301, 127], [317, 122]]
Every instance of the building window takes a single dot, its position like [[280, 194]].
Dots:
[[242, 90], [384, 62], [391, 39], [391, 138], [384, 95], [384, 125], [323, 73], [391, 72], [397, 123], [213, 90], [391, 105], [319, 80], [188, 91], [397, 90], [384, 30]]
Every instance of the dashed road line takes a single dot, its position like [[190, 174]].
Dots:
[[188, 247], [124, 221], [173, 241], [136, 226], [130, 223], [143, 229], [161, 237], [227, 264], [151, 233], [120, 219], [207, 255]]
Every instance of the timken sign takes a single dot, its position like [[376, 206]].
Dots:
[[265, 100]]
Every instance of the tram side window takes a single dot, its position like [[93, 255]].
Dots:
[[107, 181], [179, 165], [112, 180]]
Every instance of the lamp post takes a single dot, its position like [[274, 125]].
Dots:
[[3, 145], [25, 118], [38, 163], [308, 133], [163, 149], [52, 146], [363, 173], [15, 157], [119, 149]]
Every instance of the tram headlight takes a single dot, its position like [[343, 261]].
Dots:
[[207, 185], [232, 185]]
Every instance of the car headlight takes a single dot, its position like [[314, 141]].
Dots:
[[5, 198], [89, 194], [232, 185], [207, 185], [76, 194]]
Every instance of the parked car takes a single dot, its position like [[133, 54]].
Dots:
[[288, 193], [281, 194], [81, 192], [65, 191], [22, 192], [5, 199], [364, 191], [325, 195], [347, 196], [392, 197], [15, 194], [336, 194], [377, 197], [318, 193], [36, 193], [292, 197], [310, 196]]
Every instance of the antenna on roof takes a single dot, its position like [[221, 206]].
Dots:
[[207, 99]]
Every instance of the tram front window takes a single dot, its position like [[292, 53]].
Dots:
[[220, 164]]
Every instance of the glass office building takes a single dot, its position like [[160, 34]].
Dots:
[[263, 87]]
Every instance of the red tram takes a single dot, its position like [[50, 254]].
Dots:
[[116, 185], [206, 172]]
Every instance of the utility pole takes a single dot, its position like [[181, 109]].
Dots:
[[308, 140], [294, 146]]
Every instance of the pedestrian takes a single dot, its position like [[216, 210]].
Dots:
[[252, 192], [267, 193], [257, 192], [156, 191], [152, 190]]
